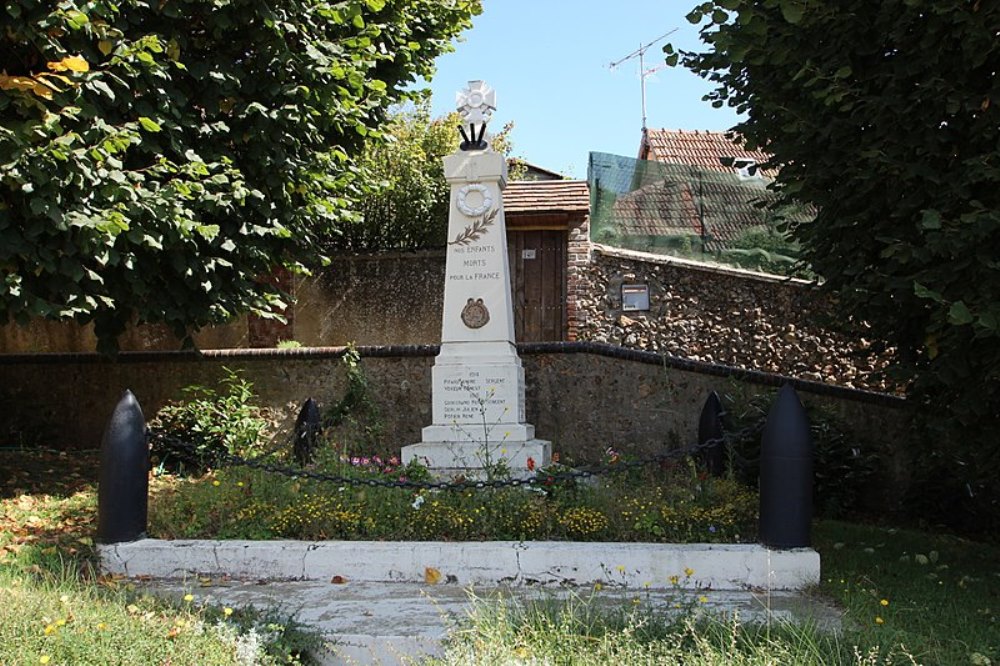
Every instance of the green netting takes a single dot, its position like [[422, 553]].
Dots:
[[682, 210]]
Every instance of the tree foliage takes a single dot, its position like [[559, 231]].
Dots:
[[406, 206], [157, 159], [406, 201], [886, 117]]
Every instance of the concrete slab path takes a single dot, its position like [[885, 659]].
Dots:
[[391, 623]]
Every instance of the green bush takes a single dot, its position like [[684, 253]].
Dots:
[[193, 434]]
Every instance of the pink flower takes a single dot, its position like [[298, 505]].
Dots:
[[355, 461], [394, 461], [531, 464]]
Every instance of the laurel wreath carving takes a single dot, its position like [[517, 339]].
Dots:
[[475, 231]]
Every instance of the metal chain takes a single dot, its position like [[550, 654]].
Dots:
[[152, 434], [543, 479]]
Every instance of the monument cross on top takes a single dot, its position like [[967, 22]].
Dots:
[[476, 104]]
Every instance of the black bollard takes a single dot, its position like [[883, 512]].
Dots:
[[786, 474], [710, 428], [306, 431], [122, 496]]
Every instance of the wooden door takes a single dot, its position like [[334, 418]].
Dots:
[[538, 283]]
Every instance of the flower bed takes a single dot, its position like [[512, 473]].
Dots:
[[675, 504]]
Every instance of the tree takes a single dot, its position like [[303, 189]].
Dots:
[[886, 117], [406, 206], [158, 160], [401, 170]]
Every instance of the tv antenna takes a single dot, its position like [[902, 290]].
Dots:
[[640, 53]]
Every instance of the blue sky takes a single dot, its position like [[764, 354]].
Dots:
[[548, 61]]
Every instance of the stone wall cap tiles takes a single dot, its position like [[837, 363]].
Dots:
[[667, 260]]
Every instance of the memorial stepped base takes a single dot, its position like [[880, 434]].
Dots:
[[448, 459]]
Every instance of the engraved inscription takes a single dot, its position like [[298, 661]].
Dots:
[[470, 398]]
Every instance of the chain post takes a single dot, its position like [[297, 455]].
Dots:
[[786, 474], [307, 427], [123, 493], [710, 428]]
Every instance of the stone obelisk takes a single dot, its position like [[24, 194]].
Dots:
[[477, 379]]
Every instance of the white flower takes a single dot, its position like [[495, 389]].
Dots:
[[417, 503]]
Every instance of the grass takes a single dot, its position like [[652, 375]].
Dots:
[[937, 594], [908, 597], [574, 633], [55, 608]]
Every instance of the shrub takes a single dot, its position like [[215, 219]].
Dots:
[[356, 415], [192, 435]]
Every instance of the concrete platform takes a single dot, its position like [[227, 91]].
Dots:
[[373, 601], [490, 563]]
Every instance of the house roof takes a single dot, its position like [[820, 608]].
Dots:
[[535, 172], [679, 207], [681, 188], [541, 197], [697, 148]]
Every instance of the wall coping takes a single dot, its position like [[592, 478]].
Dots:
[[718, 269], [389, 255], [410, 351]]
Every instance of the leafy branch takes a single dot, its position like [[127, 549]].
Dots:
[[474, 231]]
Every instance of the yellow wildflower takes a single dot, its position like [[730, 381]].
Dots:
[[884, 602], [688, 571], [879, 620], [188, 597], [227, 611]]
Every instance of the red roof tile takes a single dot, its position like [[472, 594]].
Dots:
[[699, 148], [546, 196]]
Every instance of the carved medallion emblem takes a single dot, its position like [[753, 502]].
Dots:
[[475, 314], [474, 200]]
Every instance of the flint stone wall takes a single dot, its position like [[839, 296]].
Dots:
[[697, 311], [724, 315], [584, 397]]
